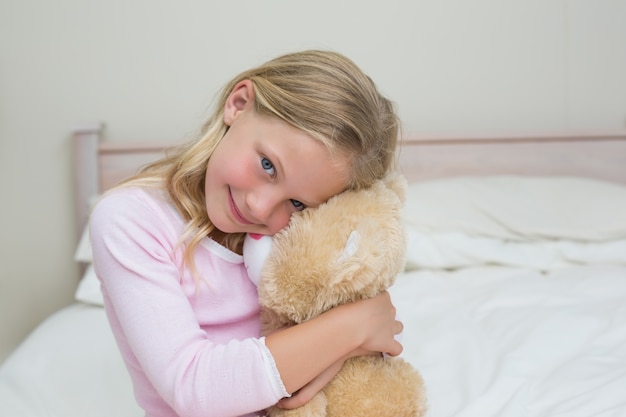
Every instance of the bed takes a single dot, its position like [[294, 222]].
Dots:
[[513, 296]]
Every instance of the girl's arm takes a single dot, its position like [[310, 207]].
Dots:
[[306, 393], [305, 351]]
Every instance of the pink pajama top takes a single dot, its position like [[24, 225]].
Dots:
[[191, 348]]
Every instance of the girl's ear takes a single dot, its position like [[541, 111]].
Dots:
[[239, 100]]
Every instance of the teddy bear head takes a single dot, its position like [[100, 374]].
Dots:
[[349, 248]]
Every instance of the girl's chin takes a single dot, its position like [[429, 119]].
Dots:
[[229, 227], [223, 226]]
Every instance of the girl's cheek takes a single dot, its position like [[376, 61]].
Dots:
[[279, 221]]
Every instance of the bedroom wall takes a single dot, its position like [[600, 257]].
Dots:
[[149, 70]]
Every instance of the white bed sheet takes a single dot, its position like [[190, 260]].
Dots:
[[69, 366], [505, 341]]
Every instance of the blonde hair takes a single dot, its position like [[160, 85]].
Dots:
[[322, 93]]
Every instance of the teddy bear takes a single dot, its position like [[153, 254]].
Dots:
[[352, 247]]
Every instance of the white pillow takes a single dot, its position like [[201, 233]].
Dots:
[[519, 208], [453, 250], [83, 249], [88, 290]]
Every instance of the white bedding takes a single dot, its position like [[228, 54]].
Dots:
[[489, 341], [505, 312], [505, 341], [69, 366]]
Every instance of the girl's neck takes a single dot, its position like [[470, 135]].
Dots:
[[223, 239]]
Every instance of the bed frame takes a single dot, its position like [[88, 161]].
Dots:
[[601, 154]]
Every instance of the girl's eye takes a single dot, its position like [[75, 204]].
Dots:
[[298, 205], [268, 166]]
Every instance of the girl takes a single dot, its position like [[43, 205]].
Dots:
[[167, 243]]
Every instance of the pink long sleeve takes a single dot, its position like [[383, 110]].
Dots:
[[192, 349]]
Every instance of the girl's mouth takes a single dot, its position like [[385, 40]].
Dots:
[[235, 211]]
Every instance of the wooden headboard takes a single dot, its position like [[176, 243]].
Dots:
[[98, 165], [600, 155]]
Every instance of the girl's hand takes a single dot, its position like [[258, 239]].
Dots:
[[381, 326]]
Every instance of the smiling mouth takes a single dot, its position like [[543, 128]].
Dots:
[[235, 211]]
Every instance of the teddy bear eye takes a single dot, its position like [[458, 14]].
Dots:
[[267, 166]]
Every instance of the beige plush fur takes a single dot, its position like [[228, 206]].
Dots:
[[350, 248]]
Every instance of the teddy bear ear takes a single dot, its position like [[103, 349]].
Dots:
[[352, 245], [348, 262], [397, 183]]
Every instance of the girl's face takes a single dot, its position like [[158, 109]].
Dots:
[[264, 170]]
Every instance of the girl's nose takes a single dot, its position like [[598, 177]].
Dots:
[[262, 204]]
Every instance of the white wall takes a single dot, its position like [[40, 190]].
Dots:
[[149, 70]]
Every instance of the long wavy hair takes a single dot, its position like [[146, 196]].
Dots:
[[322, 93]]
